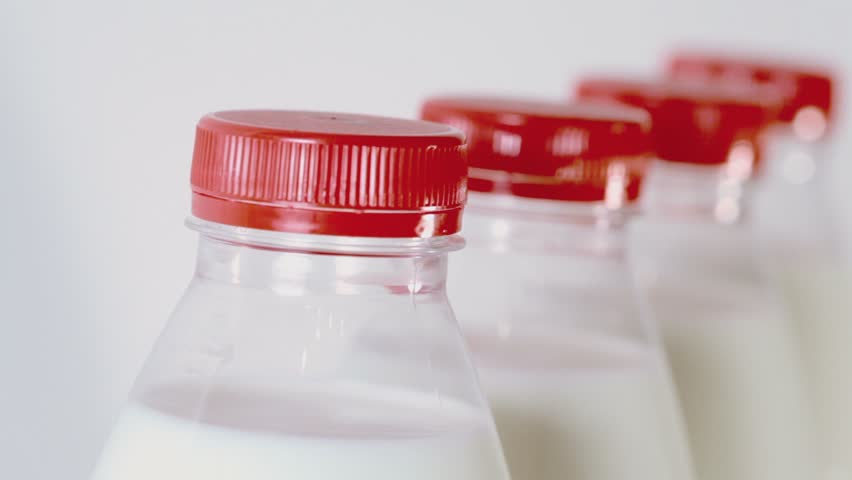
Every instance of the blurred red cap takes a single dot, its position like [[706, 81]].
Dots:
[[586, 151], [809, 91], [693, 122]]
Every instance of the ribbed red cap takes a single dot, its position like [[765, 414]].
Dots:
[[807, 89], [328, 173], [695, 123], [585, 151]]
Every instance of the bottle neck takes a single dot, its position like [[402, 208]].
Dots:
[[504, 223], [795, 162], [704, 193], [295, 264], [797, 210], [557, 267]]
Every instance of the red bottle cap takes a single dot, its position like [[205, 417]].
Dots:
[[328, 173], [577, 152], [695, 123], [809, 91]]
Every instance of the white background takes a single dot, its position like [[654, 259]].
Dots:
[[98, 102]]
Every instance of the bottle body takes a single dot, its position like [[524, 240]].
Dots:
[[803, 253], [732, 346], [576, 379], [284, 362]]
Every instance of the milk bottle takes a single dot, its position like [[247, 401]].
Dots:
[[797, 222], [315, 340], [731, 344], [577, 381]]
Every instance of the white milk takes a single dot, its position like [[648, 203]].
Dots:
[[583, 408], [820, 299], [739, 375], [355, 433]]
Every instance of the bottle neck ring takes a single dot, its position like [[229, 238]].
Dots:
[[327, 244]]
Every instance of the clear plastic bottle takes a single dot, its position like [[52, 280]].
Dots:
[[576, 377], [797, 222], [730, 342], [315, 340]]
